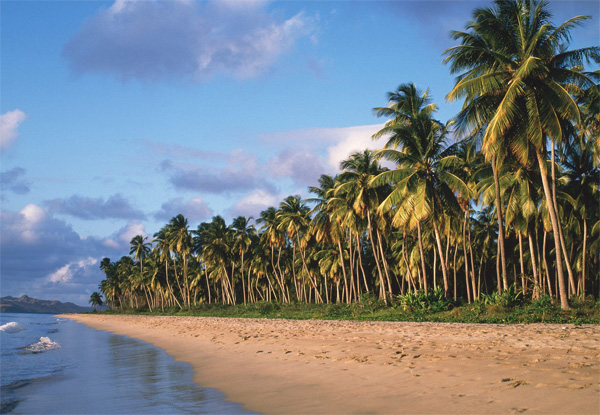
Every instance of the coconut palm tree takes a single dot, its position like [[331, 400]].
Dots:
[[294, 217], [355, 184], [243, 233], [96, 300], [423, 181], [516, 76], [180, 242]]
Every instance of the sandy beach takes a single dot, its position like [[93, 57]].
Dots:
[[338, 367]]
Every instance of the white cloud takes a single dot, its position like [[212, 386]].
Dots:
[[302, 165], [32, 216], [190, 40], [121, 239], [257, 201], [9, 123], [335, 144], [352, 140], [66, 272]]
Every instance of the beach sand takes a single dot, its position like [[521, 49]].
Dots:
[[339, 367]]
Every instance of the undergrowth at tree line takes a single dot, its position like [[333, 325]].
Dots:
[[508, 308]]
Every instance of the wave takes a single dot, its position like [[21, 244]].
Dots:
[[11, 327], [43, 345]]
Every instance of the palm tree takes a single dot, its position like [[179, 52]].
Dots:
[[294, 218], [180, 242], [243, 233], [355, 184], [96, 300], [141, 249], [272, 237], [163, 248], [423, 180], [518, 72]]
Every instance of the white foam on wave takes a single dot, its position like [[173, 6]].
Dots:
[[43, 345], [11, 327]]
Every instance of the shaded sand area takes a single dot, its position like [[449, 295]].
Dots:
[[290, 366]]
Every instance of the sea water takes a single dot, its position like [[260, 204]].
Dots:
[[52, 365]]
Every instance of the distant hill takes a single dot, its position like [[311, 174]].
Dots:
[[25, 304]]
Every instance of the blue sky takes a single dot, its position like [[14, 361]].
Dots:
[[118, 116]]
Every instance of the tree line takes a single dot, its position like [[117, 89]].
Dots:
[[504, 194]]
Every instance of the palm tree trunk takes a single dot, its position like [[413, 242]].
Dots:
[[500, 224], [454, 266], [522, 263], [310, 279], [420, 237], [243, 280], [583, 257], [563, 246], [382, 295], [464, 235], [339, 244], [536, 284], [351, 258], [207, 284], [281, 279], [564, 302], [473, 283], [442, 260], [169, 285], [546, 268], [385, 263]]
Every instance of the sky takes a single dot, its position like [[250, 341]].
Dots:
[[117, 116]]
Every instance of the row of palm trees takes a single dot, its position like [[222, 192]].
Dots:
[[513, 200]]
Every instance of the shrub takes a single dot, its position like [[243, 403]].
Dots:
[[425, 301]]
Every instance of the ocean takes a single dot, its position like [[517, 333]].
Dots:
[[51, 365]]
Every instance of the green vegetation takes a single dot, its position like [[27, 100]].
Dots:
[[421, 307], [495, 210]]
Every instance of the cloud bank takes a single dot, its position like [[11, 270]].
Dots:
[[115, 207], [43, 256], [13, 180], [189, 40], [9, 123]]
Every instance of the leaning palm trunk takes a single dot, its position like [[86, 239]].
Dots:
[[464, 235], [169, 284], [424, 276], [310, 279], [442, 259], [563, 247], [502, 253], [339, 244], [385, 263], [522, 263], [583, 257], [564, 302], [382, 295]]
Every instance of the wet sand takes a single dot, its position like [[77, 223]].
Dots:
[[339, 367]]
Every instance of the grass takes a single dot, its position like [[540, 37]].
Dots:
[[420, 307]]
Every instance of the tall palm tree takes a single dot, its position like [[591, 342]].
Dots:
[[294, 218], [180, 241], [163, 248], [96, 300], [423, 180], [243, 233], [140, 249], [516, 76], [355, 184], [273, 237]]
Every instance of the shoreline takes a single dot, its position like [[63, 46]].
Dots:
[[319, 366]]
